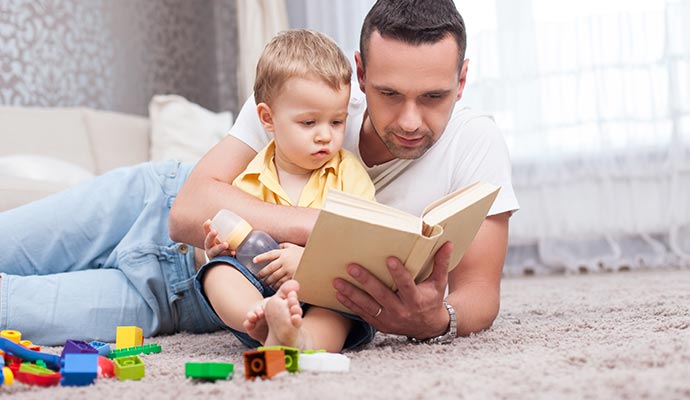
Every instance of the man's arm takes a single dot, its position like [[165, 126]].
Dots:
[[417, 310], [208, 189]]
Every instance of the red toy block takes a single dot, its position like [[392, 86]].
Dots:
[[263, 363]]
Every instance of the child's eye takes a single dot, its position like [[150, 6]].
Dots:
[[308, 122], [337, 122]]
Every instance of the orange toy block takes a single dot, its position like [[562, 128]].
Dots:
[[263, 363], [128, 336]]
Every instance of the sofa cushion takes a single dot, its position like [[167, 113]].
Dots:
[[182, 130], [117, 139], [54, 132]]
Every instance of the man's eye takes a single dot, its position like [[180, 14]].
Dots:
[[388, 93], [434, 96]]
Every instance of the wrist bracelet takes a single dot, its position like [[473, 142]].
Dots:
[[448, 336]]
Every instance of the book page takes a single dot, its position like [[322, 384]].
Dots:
[[445, 207], [359, 208]]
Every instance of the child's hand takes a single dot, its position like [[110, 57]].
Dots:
[[282, 268], [212, 245]]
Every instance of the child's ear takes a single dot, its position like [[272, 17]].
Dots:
[[265, 116]]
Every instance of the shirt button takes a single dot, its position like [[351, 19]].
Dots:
[[183, 248]]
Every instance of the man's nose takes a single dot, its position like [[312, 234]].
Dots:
[[410, 118]]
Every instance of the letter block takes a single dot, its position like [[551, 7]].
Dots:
[[264, 364]]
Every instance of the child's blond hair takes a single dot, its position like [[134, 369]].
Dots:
[[299, 53]]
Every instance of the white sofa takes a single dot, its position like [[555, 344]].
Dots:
[[45, 150]]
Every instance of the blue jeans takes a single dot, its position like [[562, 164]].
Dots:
[[80, 263]]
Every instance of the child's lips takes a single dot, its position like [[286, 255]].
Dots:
[[322, 153]]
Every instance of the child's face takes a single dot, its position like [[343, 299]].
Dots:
[[308, 123]]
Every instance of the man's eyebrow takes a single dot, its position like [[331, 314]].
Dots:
[[438, 92]]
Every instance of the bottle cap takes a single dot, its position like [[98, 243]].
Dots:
[[231, 228]]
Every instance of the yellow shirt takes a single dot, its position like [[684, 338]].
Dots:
[[343, 172]]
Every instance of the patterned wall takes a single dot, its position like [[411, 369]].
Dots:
[[116, 54]]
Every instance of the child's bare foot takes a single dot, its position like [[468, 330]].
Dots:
[[255, 323], [284, 317]]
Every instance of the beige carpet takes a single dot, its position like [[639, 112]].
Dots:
[[622, 335]]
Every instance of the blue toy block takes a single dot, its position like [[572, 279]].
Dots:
[[103, 349], [8, 346], [79, 369], [77, 347]]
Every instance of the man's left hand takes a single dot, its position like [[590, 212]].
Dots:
[[414, 310]]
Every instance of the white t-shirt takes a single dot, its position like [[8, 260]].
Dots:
[[470, 149]]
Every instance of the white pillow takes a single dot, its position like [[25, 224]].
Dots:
[[42, 168], [182, 130]]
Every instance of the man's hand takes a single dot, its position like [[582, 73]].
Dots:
[[284, 264], [415, 310]]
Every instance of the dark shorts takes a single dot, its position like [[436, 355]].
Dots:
[[360, 333]]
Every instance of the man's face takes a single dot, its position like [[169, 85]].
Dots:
[[410, 91]]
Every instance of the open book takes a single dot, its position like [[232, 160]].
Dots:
[[351, 229]]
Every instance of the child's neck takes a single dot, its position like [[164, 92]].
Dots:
[[293, 184]]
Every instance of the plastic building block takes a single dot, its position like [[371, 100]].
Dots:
[[38, 379], [6, 375], [106, 368], [35, 369], [209, 371], [324, 362], [8, 346], [29, 345], [103, 349], [136, 350], [12, 335], [128, 336], [264, 364], [291, 356], [129, 368], [79, 369], [77, 347]]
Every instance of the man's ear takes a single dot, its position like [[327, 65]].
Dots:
[[463, 78], [265, 116], [360, 70]]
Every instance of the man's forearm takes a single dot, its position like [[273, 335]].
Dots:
[[476, 306]]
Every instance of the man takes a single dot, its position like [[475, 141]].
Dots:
[[409, 134]]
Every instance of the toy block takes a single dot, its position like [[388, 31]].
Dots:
[[103, 349], [29, 345], [79, 369], [324, 362], [17, 350], [135, 350], [106, 368], [291, 356], [209, 371], [130, 367], [77, 347], [128, 336], [264, 364], [6, 376], [35, 369], [12, 335]]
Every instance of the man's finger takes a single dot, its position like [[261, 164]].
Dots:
[[439, 274], [379, 292], [407, 289]]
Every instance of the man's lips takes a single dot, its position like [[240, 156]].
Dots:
[[409, 141]]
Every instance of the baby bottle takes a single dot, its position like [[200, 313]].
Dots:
[[239, 235]]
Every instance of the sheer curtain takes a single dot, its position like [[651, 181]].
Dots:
[[594, 100]]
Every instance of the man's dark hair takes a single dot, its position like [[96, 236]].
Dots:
[[414, 22]]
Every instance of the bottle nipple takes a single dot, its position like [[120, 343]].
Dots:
[[231, 228]]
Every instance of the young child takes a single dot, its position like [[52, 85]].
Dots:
[[302, 91]]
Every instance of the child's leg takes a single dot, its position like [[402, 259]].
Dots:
[[231, 295], [328, 329]]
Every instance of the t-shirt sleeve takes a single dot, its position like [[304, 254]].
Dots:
[[248, 128], [486, 159]]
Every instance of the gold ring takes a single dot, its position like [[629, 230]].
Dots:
[[378, 312]]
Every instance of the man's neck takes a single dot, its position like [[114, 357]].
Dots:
[[371, 148]]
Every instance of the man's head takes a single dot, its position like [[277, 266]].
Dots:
[[412, 70], [302, 91]]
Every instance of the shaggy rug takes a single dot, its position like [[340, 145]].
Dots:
[[621, 335]]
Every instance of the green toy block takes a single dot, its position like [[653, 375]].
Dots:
[[209, 371], [130, 367], [135, 350], [35, 369], [291, 356]]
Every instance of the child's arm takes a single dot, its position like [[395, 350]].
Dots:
[[284, 264]]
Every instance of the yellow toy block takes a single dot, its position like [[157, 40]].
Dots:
[[12, 335], [128, 336]]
